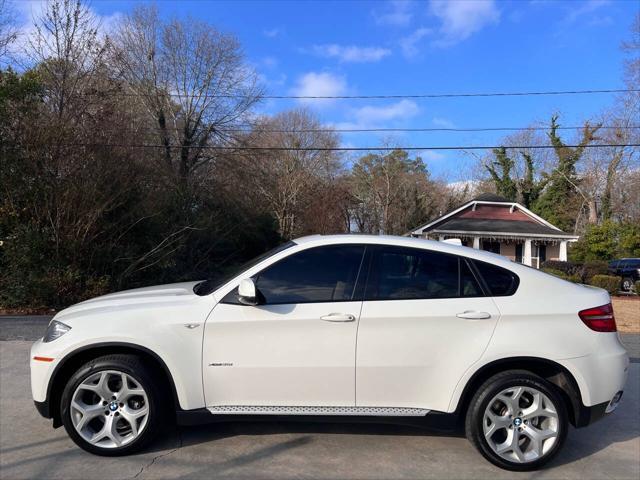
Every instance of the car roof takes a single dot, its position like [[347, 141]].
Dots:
[[410, 242]]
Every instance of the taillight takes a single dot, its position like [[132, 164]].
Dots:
[[600, 319]]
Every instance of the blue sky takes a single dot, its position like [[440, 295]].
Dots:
[[413, 47]]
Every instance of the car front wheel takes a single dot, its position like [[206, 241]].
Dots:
[[517, 420], [111, 405]]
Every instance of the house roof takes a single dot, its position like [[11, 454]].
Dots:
[[498, 226], [492, 214]]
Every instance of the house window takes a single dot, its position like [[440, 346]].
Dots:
[[519, 252], [493, 247]]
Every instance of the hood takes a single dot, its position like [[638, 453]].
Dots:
[[148, 296]]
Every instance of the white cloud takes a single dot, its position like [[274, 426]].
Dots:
[[351, 53], [461, 19], [442, 122], [271, 32], [461, 185], [269, 62], [585, 8], [372, 115], [432, 155], [409, 44], [319, 84], [398, 14]]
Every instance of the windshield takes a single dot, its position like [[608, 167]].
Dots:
[[209, 286]]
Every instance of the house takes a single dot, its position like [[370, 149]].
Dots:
[[493, 223]]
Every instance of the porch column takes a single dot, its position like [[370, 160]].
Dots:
[[476, 243], [563, 250], [526, 257]]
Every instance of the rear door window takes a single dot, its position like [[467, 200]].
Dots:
[[500, 281], [399, 273]]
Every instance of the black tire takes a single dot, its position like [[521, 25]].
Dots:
[[135, 367], [487, 391], [627, 284]]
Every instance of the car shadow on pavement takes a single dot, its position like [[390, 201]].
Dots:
[[205, 433], [580, 443]]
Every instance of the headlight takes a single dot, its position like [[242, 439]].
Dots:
[[55, 330]]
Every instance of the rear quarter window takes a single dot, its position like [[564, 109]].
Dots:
[[499, 281]]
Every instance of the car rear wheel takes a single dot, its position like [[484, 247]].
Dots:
[[517, 420], [111, 406], [627, 284]]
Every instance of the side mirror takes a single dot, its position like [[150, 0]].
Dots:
[[247, 292]]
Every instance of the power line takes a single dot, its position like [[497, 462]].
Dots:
[[378, 97], [330, 149], [249, 128], [419, 129]]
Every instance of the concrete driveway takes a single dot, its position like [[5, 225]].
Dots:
[[30, 448]]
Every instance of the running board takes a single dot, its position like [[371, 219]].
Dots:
[[344, 411]]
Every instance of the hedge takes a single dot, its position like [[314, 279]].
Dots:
[[584, 272], [566, 268], [609, 282], [575, 278], [593, 268]]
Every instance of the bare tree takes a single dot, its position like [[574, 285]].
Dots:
[[192, 81], [66, 50], [289, 180], [8, 31], [392, 193]]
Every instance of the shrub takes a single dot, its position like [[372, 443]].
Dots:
[[575, 278], [593, 268], [609, 282], [606, 241], [637, 287], [567, 268]]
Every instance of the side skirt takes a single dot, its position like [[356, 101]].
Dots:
[[439, 422]]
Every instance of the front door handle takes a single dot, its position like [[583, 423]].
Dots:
[[473, 315], [338, 317]]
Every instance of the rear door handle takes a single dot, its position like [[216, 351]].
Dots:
[[473, 315], [338, 317]]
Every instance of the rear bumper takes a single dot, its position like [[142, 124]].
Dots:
[[600, 376], [588, 415]]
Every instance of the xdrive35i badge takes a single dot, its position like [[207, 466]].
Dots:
[[221, 364]]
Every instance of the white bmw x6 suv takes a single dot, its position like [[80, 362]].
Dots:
[[343, 325]]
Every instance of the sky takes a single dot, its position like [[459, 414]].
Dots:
[[422, 47]]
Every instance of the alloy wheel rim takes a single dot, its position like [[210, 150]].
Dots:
[[109, 409], [521, 424]]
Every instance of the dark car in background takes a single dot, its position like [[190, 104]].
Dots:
[[628, 269]]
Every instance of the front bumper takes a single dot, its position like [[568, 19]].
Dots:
[[41, 371], [43, 408]]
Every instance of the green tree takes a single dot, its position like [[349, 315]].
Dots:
[[560, 203], [500, 170], [529, 187]]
